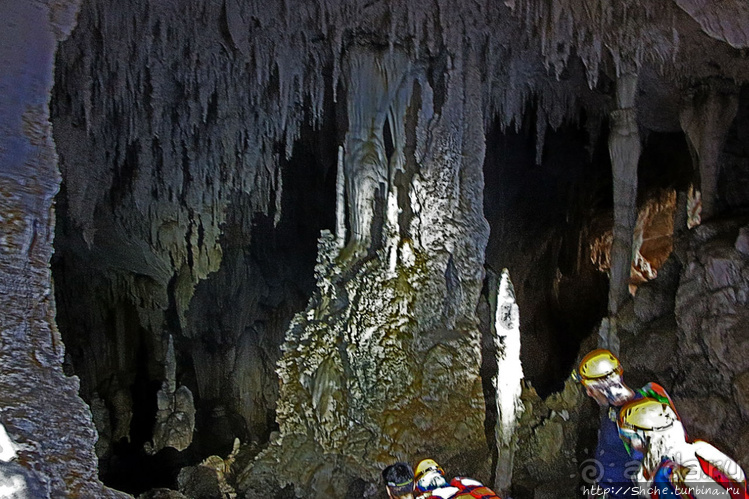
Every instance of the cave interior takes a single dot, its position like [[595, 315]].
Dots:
[[279, 234]]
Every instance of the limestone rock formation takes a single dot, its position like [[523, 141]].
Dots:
[[175, 417], [692, 344], [723, 20], [211, 478], [39, 406], [507, 383], [712, 309], [386, 356]]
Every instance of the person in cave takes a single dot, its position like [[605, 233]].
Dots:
[[601, 374], [671, 466], [399, 481], [430, 481]]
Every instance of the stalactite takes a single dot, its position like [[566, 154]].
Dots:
[[377, 87], [340, 205], [705, 120], [541, 125]]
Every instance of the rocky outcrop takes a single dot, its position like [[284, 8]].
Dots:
[[551, 460], [712, 311], [39, 406], [687, 330], [211, 478]]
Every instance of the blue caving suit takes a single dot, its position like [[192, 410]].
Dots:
[[618, 466]]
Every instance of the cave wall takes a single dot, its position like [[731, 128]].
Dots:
[[50, 429]]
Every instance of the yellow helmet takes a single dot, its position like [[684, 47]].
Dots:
[[646, 414], [425, 466], [598, 364], [640, 418]]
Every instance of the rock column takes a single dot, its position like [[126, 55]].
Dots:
[[383, 366], [705, 119], [508, 382], [624, 149]]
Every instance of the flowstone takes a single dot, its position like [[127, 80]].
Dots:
[[383, 365], [362, 386]]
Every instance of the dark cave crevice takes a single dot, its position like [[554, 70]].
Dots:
[[233, 325], [734, 175], [538, 216], [544, 218]]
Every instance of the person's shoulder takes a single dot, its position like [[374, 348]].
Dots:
[[469, 487], [445, 492]]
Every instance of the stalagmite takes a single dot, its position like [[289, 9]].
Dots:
[[705, 120], [175, 417], [624, 149], [340, 201], [508, 382]]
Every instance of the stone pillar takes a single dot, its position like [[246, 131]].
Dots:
[[705, 119], [175, 417], [508, 382], [624, 149], [383, 366]]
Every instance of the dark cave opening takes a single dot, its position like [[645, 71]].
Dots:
[[545, 219], [114, 317], [130, 467], [538, 216]]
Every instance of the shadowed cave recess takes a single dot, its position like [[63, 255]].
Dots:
[[282, 229], [119, 317]]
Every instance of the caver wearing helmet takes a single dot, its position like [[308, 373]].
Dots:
[[430, 481], [601, 374], [428, 476], [672, 466], [399, 481]]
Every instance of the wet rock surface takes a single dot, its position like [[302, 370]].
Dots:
[[39, 406], [712, 312], [693, 350]]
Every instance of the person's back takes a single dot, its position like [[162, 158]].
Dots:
[[601, 374]]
